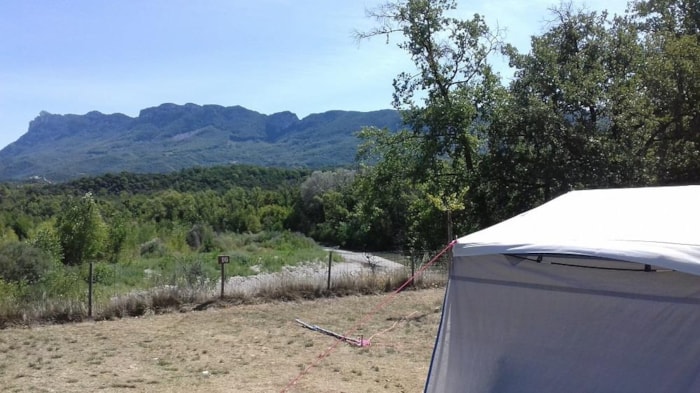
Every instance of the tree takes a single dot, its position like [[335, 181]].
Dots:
[[311, 191], [445, 104], [678, 17], [46, 239], [117, 232], [393, 210], [671, 80], [453, 78], [81, 231], [7, 235], [383, 188], [273, 217], [571, 119]]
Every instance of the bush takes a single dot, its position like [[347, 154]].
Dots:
[[200, 237], [102, 273], [21, 262], [153, 248], [10, 293], [47, 240], [63, 283], [196, 272]]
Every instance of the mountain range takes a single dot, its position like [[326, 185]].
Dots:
[[171, 137]]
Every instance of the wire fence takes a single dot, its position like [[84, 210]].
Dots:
[[130, 289]]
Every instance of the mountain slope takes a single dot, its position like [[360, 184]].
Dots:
[[172, 137]]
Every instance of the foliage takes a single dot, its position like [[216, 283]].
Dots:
[[7, 235], [62, 283], [81, 231], [325, 204], [670, 80], [447, 102], [46, 239], [21, 262], [558, 129], [596, 101], [200, 237], [153, 248], [382, 211], [274, 217], [450, 57], [9, 294], [319, 183]]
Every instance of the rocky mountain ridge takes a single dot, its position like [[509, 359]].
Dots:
[[172, 137]]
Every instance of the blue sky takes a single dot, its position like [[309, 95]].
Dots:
[[76, 56]]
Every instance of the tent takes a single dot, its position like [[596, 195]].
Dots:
[[594, 291]]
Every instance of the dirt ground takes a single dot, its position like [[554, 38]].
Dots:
[[258, 348]]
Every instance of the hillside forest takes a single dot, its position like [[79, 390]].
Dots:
[[597, 101]]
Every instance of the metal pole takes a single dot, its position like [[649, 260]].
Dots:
[[90, 291], [330, 259], [413, 269]]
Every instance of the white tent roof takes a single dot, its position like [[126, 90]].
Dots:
[[659, 226]]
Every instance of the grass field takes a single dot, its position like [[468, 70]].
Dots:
[[249, 348]]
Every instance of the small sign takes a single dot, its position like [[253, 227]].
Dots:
[[224, 259]]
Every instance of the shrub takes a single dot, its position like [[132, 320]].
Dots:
[[200, 237], [47, 240], [23, 262], [63, 283], [7, 235], [153, 248], [102, 273], [9, 293]]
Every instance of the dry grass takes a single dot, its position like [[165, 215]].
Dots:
[[247, 348], [299, 283]]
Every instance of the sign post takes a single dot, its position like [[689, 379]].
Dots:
[[223, 260]]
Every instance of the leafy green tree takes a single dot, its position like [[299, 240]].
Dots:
[[81, 231], [46, 239], [334, 228], [117, 232], [670, 34], [445, 100], [21, 225], [319, 183], [678, 17], [384, 188], [7, 235], [251, 220], [446, 104], [324, 205], [571, 118], [273, 217]]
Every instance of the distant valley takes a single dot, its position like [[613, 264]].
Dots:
[[171, 137]]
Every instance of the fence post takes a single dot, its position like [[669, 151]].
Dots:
[[90, 280], [413, 269], [330, 259]]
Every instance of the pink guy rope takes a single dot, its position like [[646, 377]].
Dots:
[[366, 318]]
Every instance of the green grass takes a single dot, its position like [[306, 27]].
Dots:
[[173, 277]]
